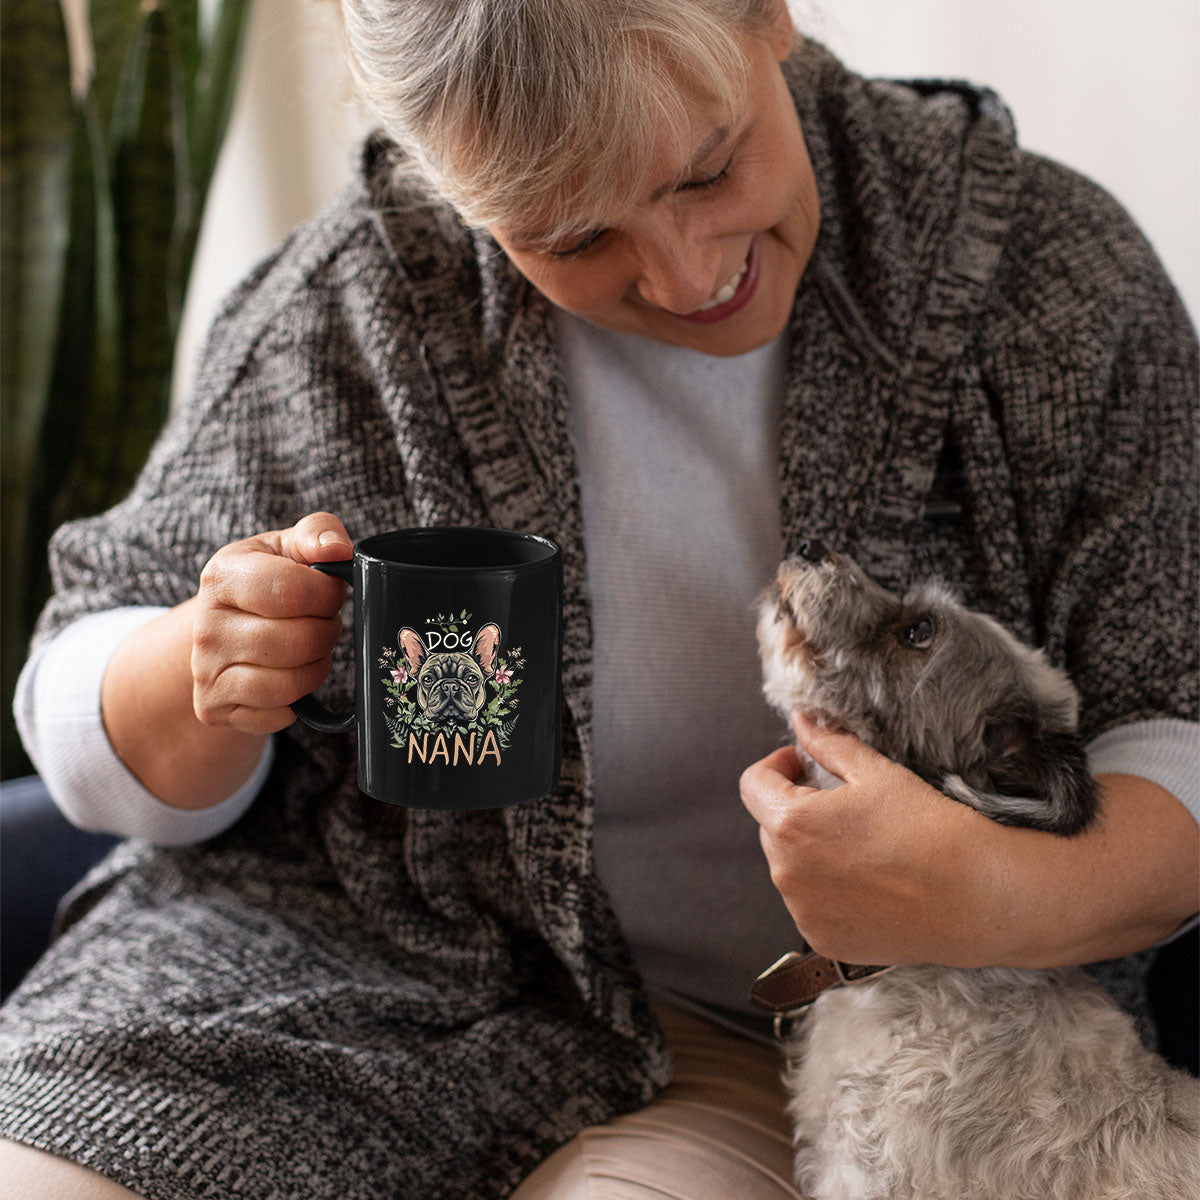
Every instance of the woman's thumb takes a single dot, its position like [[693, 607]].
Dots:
[[841, 754], [319, 537]]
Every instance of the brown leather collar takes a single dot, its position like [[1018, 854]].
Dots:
[[797, 979]]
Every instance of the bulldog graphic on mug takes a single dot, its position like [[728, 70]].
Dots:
[[437, 692], [450, 683]]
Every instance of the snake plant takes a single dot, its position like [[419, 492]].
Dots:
[[102, 195]]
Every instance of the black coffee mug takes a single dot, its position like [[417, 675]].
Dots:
[[458, 666]]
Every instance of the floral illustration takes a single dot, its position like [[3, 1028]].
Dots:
[[449, 692]]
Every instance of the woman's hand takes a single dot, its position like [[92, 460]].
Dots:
[[264, 625], [885, 869], [879, 870], [190, 698]]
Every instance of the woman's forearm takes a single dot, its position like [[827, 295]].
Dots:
[[1137, 872], [886, 869], [146, 702]]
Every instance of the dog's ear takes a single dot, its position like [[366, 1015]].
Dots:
[[413, 647], [1032, 777], [487, 641]]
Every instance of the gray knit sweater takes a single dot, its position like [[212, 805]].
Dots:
[[337, 998]]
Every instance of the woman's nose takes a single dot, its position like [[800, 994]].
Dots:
[[680, 273]]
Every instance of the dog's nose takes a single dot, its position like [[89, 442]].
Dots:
[[813, 550]]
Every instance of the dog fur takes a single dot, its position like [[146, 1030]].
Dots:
[[936, 1083]]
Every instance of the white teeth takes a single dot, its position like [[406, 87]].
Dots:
[[724, 294]]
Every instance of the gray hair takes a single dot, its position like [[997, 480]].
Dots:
[[553, 108]]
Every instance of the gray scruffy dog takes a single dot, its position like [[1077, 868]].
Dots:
[[937, 1083]]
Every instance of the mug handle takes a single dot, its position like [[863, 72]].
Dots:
[[308, 708]]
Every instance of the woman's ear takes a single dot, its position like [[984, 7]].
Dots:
[[778, 29]]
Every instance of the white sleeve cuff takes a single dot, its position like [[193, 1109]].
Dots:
[[57, 711], [1165, 751]]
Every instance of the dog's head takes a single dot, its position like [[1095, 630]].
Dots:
[[945, 691], [450, 683]]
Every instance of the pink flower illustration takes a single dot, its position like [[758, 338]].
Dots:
[[503, 675], [400, 676]]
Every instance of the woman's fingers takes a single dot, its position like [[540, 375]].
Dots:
[[250, 576], [242, 637], [266, 691], [265, 624]]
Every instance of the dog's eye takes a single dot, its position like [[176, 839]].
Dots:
[[471, 680], [919, 635]]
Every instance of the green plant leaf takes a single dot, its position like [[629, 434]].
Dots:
[[84, 359], [84, 415], [36, 134], [113, 25], [108, 195], [213, 92], [151, 196], [183, 17]]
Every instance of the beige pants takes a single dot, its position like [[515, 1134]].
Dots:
[[718, 1131]]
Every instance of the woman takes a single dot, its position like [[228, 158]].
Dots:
[[681, 290]]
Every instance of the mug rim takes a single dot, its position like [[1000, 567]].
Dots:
[[368, 548]]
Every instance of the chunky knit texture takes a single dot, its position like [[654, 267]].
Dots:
[[341, 999]]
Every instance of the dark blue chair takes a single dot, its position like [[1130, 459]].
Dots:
[[42, 855]]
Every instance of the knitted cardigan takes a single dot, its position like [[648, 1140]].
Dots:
[[338, 998]]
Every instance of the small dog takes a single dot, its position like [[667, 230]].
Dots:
[[450, 683], [936, 1083]]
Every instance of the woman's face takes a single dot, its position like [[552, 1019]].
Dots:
[[712, 257]]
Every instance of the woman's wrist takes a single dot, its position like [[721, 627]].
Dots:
[[146, 703]]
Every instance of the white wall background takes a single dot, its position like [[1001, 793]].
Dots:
[[1107, 87]]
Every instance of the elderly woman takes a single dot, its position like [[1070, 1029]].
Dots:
[[661, 281]]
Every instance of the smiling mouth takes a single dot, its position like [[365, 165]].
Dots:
[[731, 296], [725, 294]]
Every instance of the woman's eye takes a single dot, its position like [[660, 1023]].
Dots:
[[589, 239], [695, 185], [585, 243], [919, 635]]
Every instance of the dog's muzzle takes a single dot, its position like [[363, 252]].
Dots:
[[452, 698]]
